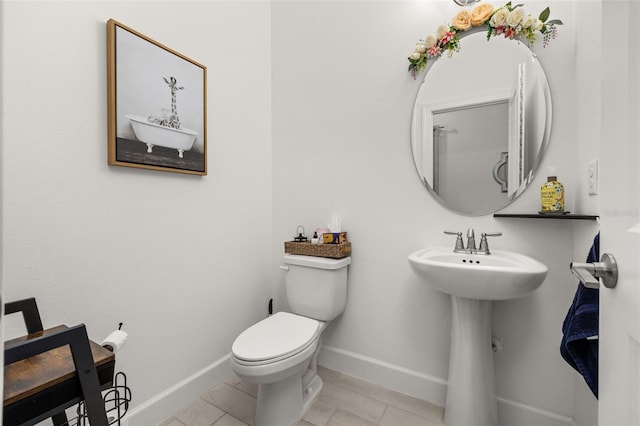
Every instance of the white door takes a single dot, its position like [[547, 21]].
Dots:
[[619, 346]]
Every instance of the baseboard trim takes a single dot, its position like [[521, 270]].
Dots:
[[391, 376], [519, 414], [428, 388], [178, 396]]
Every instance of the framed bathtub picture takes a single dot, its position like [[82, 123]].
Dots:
[[157, 105]]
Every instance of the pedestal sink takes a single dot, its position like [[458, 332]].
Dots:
[[474, 281]]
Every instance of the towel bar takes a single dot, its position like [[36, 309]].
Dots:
[[590, 273]]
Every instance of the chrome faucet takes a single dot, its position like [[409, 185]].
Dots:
[[471, 242]]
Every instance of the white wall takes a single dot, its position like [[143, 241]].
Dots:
[[320, 88], [179, 259], [342, 104]]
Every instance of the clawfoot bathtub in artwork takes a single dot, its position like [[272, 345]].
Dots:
[[156, 135]]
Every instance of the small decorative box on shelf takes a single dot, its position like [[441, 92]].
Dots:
[[335, 251]]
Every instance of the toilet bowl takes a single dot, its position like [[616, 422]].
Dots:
[[279, 353]]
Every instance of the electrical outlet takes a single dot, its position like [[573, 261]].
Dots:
[[592, 178]]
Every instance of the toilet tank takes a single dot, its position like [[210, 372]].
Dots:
[[316, 286]]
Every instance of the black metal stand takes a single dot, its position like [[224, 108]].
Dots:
[[78, 341], [30, 313], [116, 402]]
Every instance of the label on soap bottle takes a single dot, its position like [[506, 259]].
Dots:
[[552, 196]]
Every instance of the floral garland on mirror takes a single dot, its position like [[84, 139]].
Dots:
[[509, 21]]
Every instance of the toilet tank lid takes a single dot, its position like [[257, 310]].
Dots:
[[316, 262]]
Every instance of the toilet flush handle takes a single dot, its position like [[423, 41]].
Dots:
[[284, 268]]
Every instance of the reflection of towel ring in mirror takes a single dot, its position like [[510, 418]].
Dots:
[[464, 2], [500, 172]]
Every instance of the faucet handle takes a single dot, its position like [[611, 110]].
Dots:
[[484, 245], [459, 244], [491, 234]]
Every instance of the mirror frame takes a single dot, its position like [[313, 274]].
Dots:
[[544, 144]]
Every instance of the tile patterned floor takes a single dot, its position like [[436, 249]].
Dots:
[[343, 401]]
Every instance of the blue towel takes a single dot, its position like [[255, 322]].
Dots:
[[579, 345]]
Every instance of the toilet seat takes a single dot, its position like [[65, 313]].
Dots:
[[275, 338]]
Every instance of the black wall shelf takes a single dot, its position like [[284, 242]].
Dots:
[[548, 216]]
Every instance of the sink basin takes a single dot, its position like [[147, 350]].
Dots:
[[501, 275]]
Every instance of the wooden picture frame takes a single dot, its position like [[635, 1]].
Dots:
[[157, 105]]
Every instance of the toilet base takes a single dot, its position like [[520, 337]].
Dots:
[[311, 391], [285, 402]]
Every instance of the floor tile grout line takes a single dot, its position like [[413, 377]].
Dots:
[[386, 403], [230, 415], [246, 393], [386, 407], [337, 381]]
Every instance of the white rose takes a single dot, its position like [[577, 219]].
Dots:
[[514, 18], [499, 17], [537, 25], [442, 29], [421, 48], [415, 56], [527, 22], [430, 41]]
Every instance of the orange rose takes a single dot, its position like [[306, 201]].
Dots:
[[462, 21], [481, 13]]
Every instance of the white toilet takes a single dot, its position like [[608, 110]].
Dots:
[[279, 353]]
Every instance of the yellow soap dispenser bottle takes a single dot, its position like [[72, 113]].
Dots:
[[552, 196]]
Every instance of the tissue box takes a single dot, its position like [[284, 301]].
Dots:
[[334, 237], [335, 251]]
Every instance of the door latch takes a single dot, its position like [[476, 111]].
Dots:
[[591, 273]]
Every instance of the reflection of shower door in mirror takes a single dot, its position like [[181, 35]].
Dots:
[[468, 142]]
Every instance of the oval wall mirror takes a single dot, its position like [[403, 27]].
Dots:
[[481, 124]]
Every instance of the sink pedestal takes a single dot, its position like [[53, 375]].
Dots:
[[473, 281], [471, 395]]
